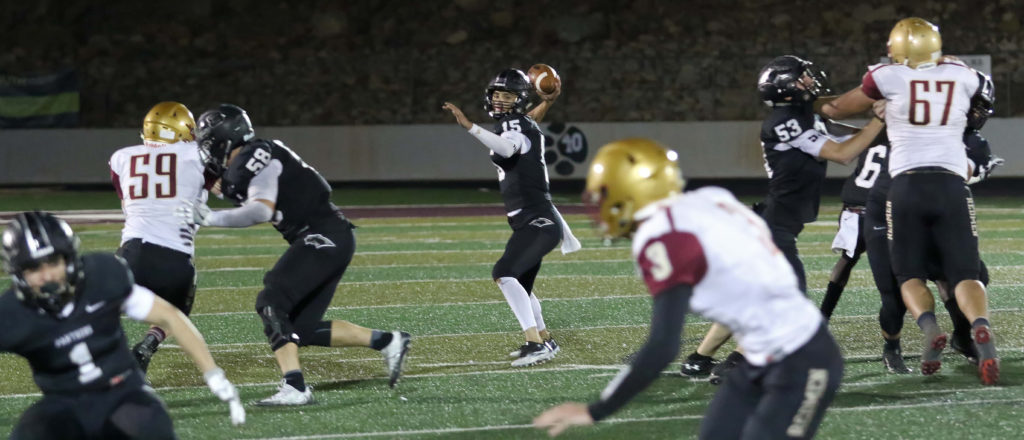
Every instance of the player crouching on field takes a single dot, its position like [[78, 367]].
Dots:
[[705, 251], [62, 313]]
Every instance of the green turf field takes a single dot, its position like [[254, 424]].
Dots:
[[430, 277]]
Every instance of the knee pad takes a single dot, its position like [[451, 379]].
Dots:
[[318, 334], [276, 326]]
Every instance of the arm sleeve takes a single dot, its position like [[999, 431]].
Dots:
[[139, 303], [250, 213], [661, 348], [810, 142], [500, 145]]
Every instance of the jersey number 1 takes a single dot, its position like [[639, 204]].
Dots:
[[87, 369]]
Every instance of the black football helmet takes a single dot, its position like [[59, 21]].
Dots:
[[34, 238], [219, 131], [509, 80], [982, 103], [778, 81]]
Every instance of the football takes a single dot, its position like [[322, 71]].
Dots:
[[544, 78]]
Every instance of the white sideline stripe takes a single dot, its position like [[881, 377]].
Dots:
[[614, 421]]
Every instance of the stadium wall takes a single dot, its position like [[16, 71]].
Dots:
[[436, 152]]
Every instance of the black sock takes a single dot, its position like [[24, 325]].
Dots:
[[892, 344], [295, 379], [379, 339], [832, 294], [980, 322]]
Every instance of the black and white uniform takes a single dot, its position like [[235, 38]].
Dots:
[[854, 195], [523, 180], [301, 284], [706, 252], [792, 137], [92, 387], [930, 209]]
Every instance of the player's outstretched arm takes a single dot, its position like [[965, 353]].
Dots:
[[848, 150], [169, 318], [848, 104], [668, 317], [500, 145]]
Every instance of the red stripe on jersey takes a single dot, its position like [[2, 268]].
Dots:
[[868, 86], [672, 259], [116, 180]]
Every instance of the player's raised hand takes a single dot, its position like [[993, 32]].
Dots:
[[226, 392], [558, 418], [459, 116]]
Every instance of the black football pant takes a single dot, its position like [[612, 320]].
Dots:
[[170, 274], [890, 315], [302, 282], [526, 248], [931, 212], [785, 240], [783, 400], [130, 413]]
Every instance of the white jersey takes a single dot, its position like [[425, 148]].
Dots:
[[153, 180], [708, 239], [925, 113]]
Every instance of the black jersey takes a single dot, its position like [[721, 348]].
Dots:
[[84, 351], [523, 177], [871, 165], [794, 176], [978, 150], [303, 196]]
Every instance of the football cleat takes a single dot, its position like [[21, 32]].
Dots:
[[988, 367], [697, 365], [394, 355], [144, 350], [893, 361], [287, 395], [964, 345], [550, 343], [718, 372], [533, 353], [931, 358]]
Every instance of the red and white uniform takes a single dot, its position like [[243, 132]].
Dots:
[[153, 180], [926, 113], [708, 239]]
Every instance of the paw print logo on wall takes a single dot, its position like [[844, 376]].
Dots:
[[570, 148]]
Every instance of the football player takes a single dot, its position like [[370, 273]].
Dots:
[[796, 145], [62, 313], [705, 251], [517, 150], [927, 98], [270, 183], [151, 180]]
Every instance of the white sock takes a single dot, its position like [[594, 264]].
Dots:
[[518, 300], [535, 305]]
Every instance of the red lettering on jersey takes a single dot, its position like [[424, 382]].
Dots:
[[670, 260]]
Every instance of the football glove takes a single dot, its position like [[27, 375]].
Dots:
[[226, 392], [194, 213], [982, 171]]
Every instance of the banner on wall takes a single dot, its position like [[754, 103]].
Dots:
[[43, 101]]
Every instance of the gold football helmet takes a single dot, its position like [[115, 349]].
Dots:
[[627, 175], [915, 41], [168, 122]]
